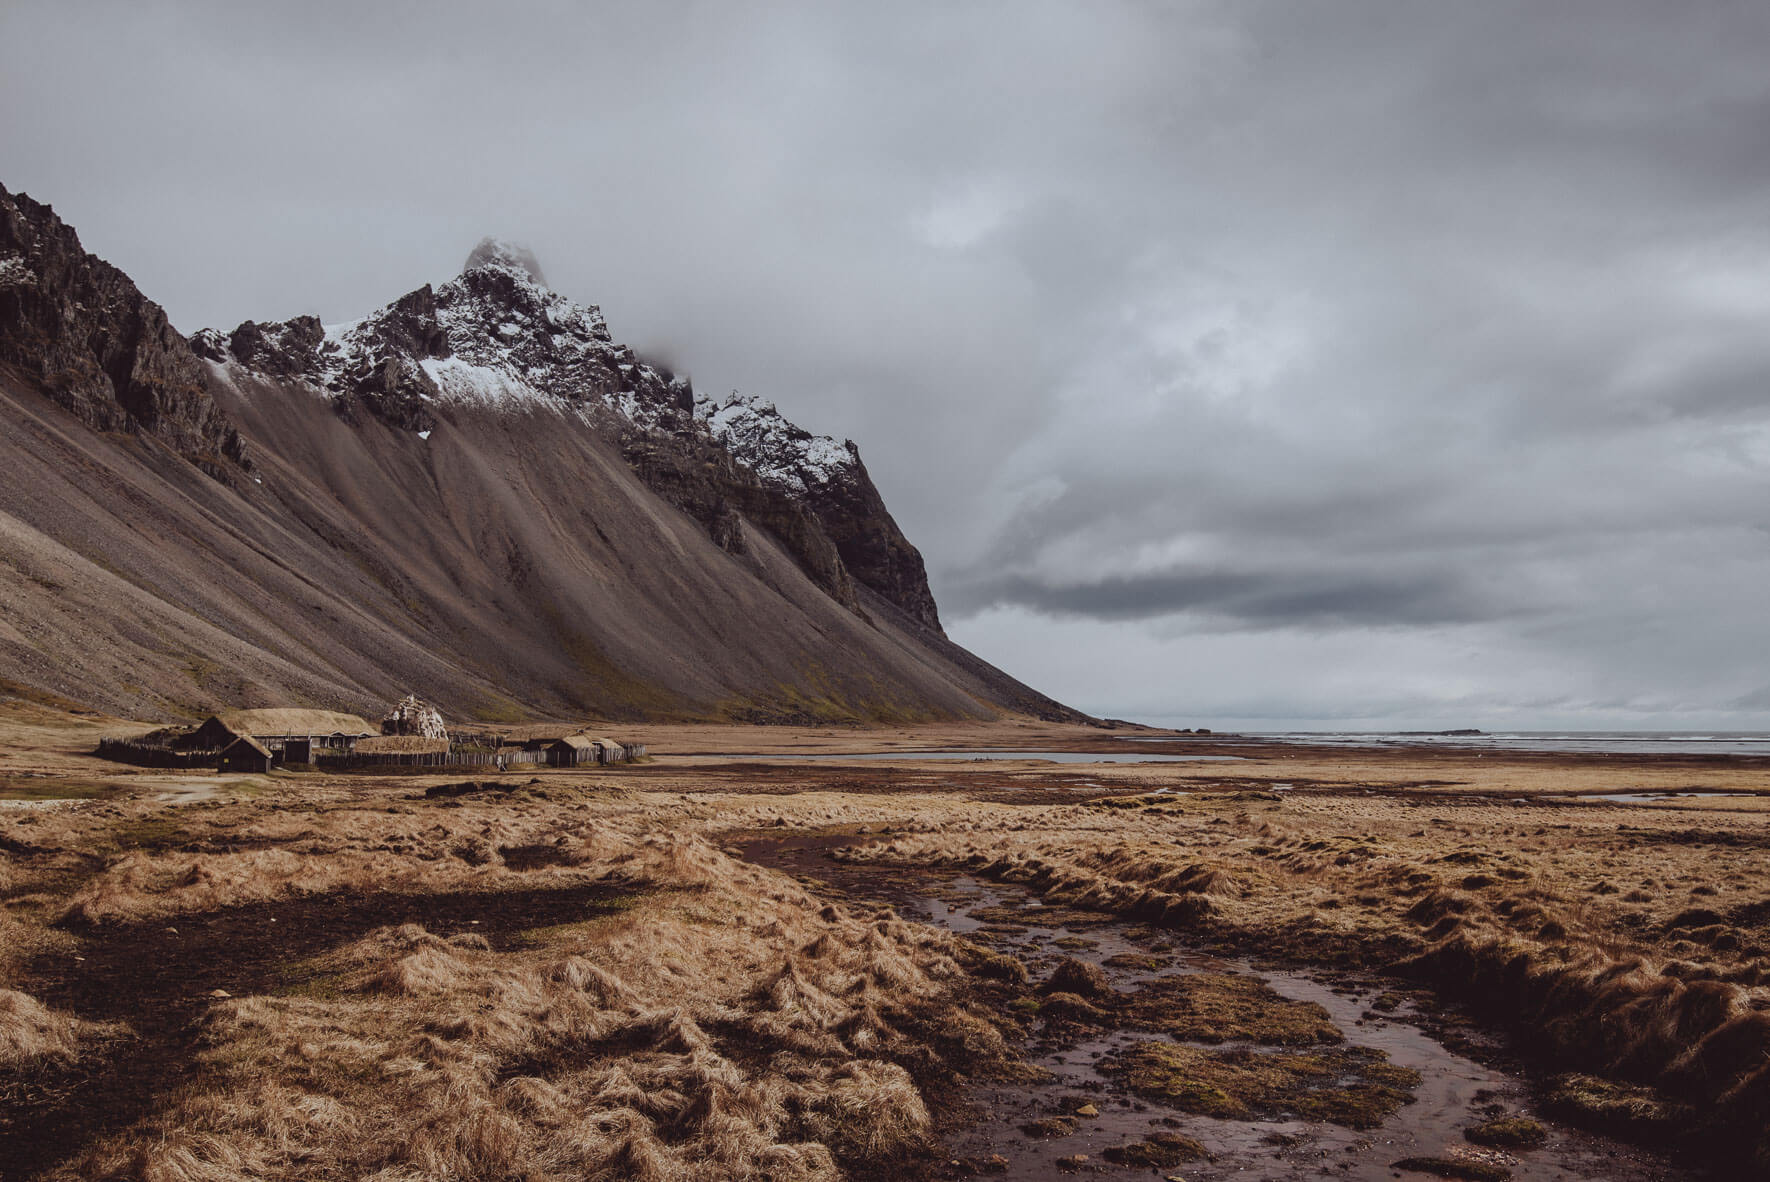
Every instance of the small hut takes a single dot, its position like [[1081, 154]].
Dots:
[[608, 751], [572, 750], [245, 754]]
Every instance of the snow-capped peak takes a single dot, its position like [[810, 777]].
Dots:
[[495, 252], [495, 337]]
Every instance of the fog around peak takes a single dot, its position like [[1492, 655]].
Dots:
[[497, 252]]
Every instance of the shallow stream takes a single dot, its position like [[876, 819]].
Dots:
[[1454, 1093]]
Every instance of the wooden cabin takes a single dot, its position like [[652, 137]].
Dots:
[[572, 750], [245, 754], [275, 729], [608, 751]]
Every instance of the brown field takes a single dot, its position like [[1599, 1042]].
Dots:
[[701, 968]]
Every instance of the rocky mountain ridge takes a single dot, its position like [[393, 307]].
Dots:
[[86, 336], [474, 490], [497, 337]]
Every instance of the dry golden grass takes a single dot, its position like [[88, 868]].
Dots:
[[30, 1032], [1514, 908], [722, 1022], [725, 1022]]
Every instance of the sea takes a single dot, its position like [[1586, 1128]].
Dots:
[[1613, 742]]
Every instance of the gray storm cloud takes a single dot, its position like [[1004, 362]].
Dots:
[[1264, 360]]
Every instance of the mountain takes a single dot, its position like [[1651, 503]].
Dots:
[[474, 493]]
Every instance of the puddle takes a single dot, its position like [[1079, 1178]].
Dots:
[[1454, 1092], [979, 756], [1650, 797]]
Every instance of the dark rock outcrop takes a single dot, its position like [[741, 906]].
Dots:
[[873, 548], [84, 335], [829, 480]]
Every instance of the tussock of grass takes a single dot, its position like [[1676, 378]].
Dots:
[[1510, 1132], [1220, 1007], [870, 1109], [980, 961], [1461, 1169], [1077, 977], [1348, 1087], [1611, 1106], [30, 1032], [1158, 1152]]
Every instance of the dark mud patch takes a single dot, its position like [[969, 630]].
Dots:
[[1719, 838], [474, 788], [159, 977]]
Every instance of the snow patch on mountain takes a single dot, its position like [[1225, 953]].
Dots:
[[781, 453], [483, 385]]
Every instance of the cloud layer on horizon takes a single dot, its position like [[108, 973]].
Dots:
[[1253, 361]]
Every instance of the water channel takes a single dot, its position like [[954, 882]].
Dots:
[[1454, 1093]]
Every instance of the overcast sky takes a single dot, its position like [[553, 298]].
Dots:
[[1245, 364]]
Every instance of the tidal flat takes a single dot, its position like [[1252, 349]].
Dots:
[[1297, 962]]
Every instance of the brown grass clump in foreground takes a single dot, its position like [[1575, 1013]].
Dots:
[[658, 1047], [1509, 1132], [1457, 1168], [30, 1032], [1352, 1087], [1158, 1152], [719, 1022]]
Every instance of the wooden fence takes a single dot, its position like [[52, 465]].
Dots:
[[504, 759], [147, 755]]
